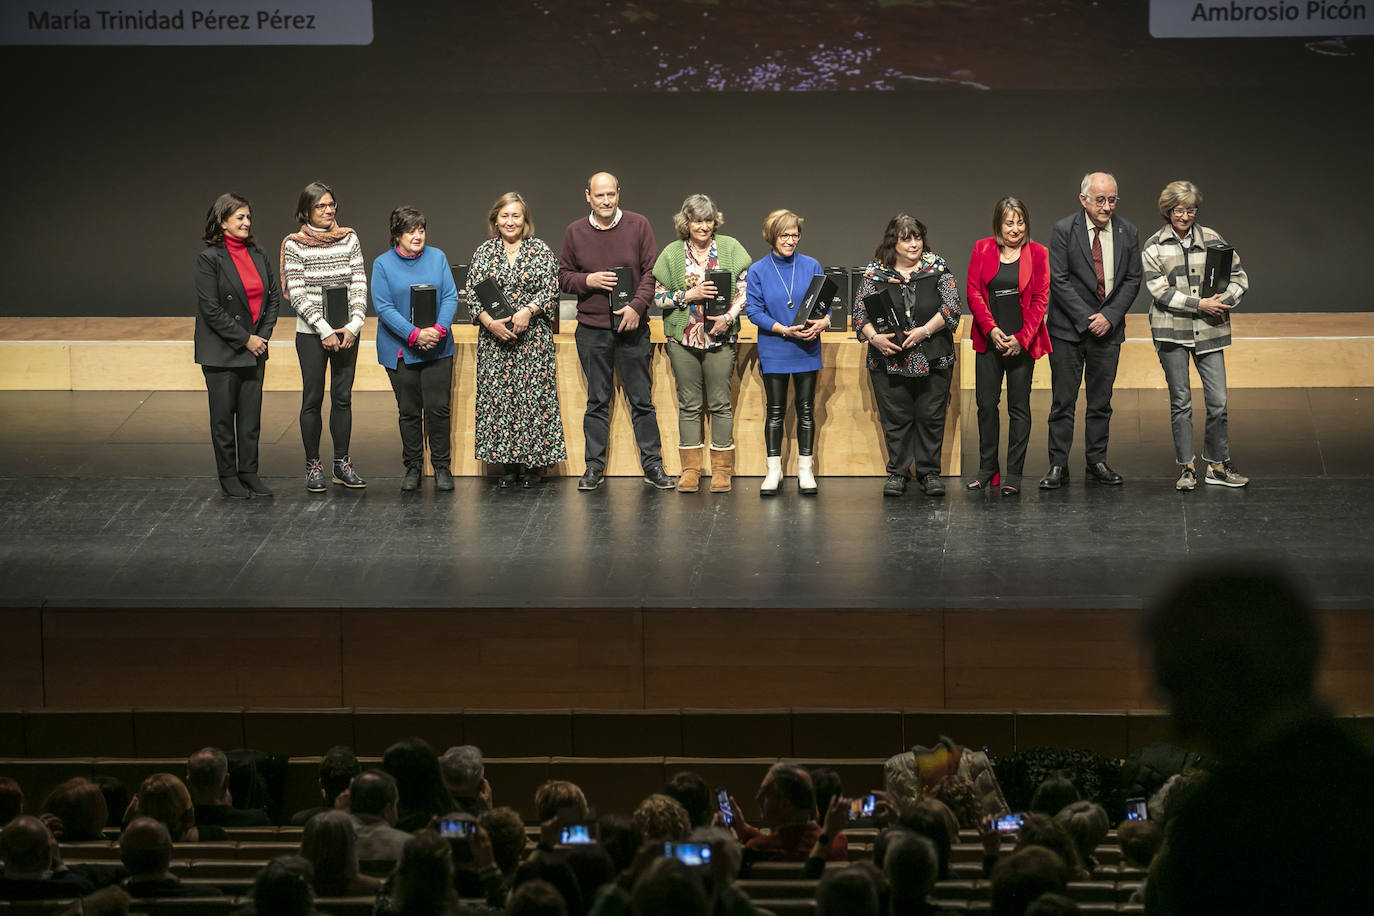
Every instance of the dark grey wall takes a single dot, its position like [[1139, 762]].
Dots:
[[116, 154]]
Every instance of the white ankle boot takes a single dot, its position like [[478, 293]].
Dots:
[[806, 480], [773, 480]]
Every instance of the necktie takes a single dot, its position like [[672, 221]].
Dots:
[[1097, 264]]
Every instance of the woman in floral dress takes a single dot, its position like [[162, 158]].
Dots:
[[518, 423]]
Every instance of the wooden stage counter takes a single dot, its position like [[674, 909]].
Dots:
[[152, 354]]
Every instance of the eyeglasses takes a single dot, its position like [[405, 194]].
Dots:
[[1106, 201], [789, 237], [1184, 211], [326, 206]]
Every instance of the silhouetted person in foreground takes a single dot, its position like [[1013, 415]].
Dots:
[[1281, 825]]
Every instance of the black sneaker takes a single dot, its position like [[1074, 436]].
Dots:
[[411, 482], [345, 476], [443, 480], [656, 476], [895, 486], [932, 485], [314, 475], [590, 479]]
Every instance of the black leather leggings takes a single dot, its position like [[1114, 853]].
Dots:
[[804, 389]]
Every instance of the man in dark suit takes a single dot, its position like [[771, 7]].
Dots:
[[207, 777], [1094, 276]]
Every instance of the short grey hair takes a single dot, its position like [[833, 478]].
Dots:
[[727, 841], [697, 207], [206, 769], [462, 767], [1088, 181]]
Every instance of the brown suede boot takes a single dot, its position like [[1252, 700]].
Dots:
[[722, 469], [690, 479]]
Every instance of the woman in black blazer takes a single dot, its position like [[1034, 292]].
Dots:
[[238, 297]]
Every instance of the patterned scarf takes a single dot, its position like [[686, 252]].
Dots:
[[311, 237]]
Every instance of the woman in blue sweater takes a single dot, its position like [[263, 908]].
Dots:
[[775, 289], [419, 361]]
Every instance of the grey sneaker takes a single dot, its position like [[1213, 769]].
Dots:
[[314, 475], [1224, 474], [1187, 478], [344, 475]]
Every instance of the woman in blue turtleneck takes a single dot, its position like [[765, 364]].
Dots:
[[776, 287]]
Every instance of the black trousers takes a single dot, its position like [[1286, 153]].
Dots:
[[1067, 363], [988, 371], [602, 352], [423, 391], [912, 411], [342, 364], [804, 394], [235, 395]]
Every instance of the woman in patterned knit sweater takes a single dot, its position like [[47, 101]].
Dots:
[[324, 254], [518, 423]]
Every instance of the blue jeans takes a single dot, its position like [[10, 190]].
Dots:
[[1211, 369]]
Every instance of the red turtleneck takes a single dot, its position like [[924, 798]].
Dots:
[[248, 273]]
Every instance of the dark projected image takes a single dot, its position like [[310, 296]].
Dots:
[[880, 45]]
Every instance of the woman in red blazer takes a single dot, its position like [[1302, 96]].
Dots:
[[1008, 291]]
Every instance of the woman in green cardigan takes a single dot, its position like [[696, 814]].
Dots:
[[700, 349]]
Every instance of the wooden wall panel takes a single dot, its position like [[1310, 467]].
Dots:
[[501, 659], [765, 658], [205, 658], [21, 658]]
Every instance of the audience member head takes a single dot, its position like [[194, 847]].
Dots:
[[330, 844], [1023, 876], [506, 831], [536, 898], [1040, 830], [557, 794], [26, 847], [879, 880], [1087, 825], [825, 782], [692, 793], [337, 769], [927, 821], [424, 876], [1053, 794], [619, 839], [668, 888], [373, 792], [593, 869], [145, 848], [912, 868], [958, 796], [846, 892], [1140, 841], [75, 811], [207, 777], [116, 798], [555, 871], [164, 797], [724, 844], [463, 772], [1169, 798], [659, 818], [1231, 646], [786, 796], [283, 888], [11, 800], [419, 784], [1052, 905]]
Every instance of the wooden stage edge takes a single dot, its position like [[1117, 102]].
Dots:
[[632, 658]]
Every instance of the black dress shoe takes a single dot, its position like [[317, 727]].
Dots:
[[443, 480], [1055, 477], [530, 478], [932, 485], [1103, 474], [656, 476], [255, 484], [411, 481], [590, 479], [233, 488]]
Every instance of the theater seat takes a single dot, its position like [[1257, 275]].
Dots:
[[78, 733], [736, 733], [995, 730], [519, 733], [185, 906], [787, 907], [627, 732], [778, 888], [611, 784], [345, 906], [851, 733], [297, 732], [182, 732], [513, 781], [374, 730]]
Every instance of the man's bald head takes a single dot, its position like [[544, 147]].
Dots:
[[603, 177], [145, 847]]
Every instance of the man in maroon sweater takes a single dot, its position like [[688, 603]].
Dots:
[[592, 249]]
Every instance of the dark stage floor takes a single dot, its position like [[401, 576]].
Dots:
[[108, 498]]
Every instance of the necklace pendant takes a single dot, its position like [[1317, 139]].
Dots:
[[789, 303]]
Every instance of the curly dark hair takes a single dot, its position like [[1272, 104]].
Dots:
[[902, 226]]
